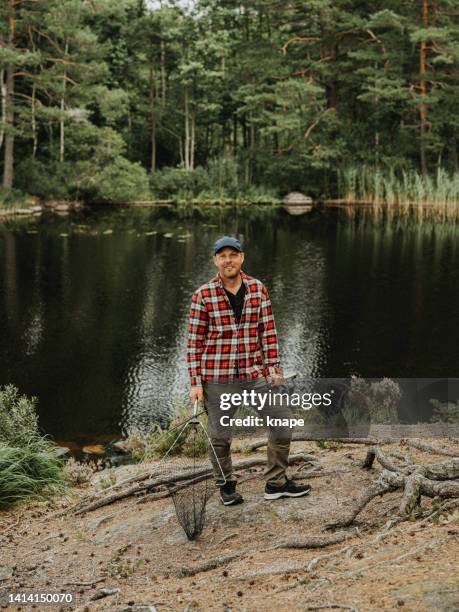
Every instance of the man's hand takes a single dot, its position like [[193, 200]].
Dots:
[[275, 378], [196, 394]]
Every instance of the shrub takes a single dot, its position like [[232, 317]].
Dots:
[[122, 181], [376, 402], [156, 443], [18, 418], [108, 481], [78, 473], [13, 198], [179, 183], [50, 180], [444, 412]]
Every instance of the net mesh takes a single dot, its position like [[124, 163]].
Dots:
[[186, 471]]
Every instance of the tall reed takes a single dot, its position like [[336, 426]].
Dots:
[[405, 188]]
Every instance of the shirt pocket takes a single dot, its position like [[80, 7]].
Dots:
[[251, 309]]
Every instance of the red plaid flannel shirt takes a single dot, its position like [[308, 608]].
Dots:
[[216, 343]]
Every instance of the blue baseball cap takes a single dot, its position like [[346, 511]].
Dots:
[[227, 241]]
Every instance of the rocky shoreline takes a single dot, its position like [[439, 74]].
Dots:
[[132, 555]]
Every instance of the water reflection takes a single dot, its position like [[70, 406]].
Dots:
[[93, 310]]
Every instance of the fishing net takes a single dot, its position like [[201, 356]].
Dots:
[[187, 471]]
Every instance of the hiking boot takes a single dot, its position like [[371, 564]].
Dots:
[[288, 489], [228, 494]]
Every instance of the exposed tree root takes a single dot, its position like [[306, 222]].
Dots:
[[331, 606], [376, 488], [353, 550], [435, 480], [89, 504], [317, 473], [315, 541], [210, 564], [366, 566], [311, 542]]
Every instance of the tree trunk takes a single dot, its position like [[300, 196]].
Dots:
[[61, 121], [153, 121], [193, 139], [181, 152], [187, 131], [422, 88], [163, 73], [8, 167], [34, 123], [3, 104]]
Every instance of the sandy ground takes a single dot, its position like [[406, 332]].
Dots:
[[139, 550]]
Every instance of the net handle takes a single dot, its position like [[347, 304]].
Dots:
[[195, 408]]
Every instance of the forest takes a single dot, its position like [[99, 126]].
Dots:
[[128, 100]]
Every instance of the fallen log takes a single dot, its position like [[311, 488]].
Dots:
[[302, 437], [425, 446]]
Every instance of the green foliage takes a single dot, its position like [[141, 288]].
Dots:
[[179, 183], [18, 418], [173, 440], [222, 179], [101, 173], [399, 187], [445, 412], [327, 444], [14, 198], [234, 100], [122, 181], [47, 180], [373, 402], [29, 472]]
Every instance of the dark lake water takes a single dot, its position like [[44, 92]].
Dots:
[[93, 308]]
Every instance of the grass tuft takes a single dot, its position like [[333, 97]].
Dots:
[[31, 472]]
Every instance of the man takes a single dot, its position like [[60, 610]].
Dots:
[[232, 347]]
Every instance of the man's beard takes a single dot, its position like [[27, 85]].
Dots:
[[231, 274]]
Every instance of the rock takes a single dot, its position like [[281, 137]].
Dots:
[[24, 211], [62, 207], [295, 198], [296, 203], [121, 446], [36, 209], [62, 452], [6, 572]]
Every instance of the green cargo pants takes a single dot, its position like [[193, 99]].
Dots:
[[278, 440]]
